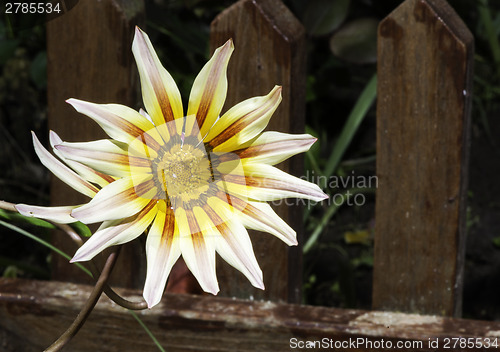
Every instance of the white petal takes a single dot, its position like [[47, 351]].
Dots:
[[61, 215], [63, 172], [260, 216], [104, 155], [198, 252], [274, 147], [86, 172], [112, 233], [118, 200], [118, 121], [235, 247], [146, 115], [162, 251], [267, 183], [160, 94]]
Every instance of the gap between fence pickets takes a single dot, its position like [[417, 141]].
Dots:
[[212, 323]]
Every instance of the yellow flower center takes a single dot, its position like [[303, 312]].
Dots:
[[183, 169], [176, 170]]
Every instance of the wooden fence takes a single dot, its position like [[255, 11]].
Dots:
[[424, 74]]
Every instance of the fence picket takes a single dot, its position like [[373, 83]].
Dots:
[[89, 58], [424, 92], [269, 50]]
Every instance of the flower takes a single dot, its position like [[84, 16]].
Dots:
[[193, 182]]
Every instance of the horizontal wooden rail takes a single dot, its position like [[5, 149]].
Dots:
[[34, 313]]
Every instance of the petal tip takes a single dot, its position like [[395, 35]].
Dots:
[[211, 287], [76, 258], [75, 103], [138, 30], [54, 139], [151, 300], [229, 43]]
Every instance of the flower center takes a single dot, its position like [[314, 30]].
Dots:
[[183, 169], [170, 164]]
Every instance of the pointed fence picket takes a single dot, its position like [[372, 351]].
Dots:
[[424, 73], [424, 94]]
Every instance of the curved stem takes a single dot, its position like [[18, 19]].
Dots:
[[112, 295], [89, 305], [70, 232], [115, 297]]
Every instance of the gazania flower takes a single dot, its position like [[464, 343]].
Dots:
[[192, 181]]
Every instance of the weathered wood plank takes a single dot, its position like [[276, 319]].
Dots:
[[424, 81], [89, 58], [269, 50], [208, 323]]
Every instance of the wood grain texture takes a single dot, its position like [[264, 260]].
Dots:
[[423, 110], [185, 323], [89, 57], [269, 50]]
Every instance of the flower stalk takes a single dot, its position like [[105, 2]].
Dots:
[[89, 305]]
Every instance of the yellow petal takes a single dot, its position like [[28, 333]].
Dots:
[[120, 199], [118, 121], [104, 155], [209, 88], [243, 122], [274, 147], [162, 251], [266, 183], [160, 94]]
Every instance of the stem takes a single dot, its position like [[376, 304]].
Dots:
[[7, 206], [112, 295], [89, 305], [115, 297]]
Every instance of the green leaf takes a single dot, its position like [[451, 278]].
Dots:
[[45, 243], [324, 16], [355, 118], [81, 229], [356, 41]]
